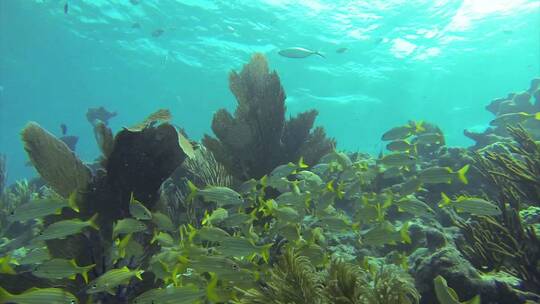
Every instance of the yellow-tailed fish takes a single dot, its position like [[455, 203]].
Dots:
[[385, 233], [217, 216], [238, 219], [39, 295], [222, 196], [61, 269], [410, 186], [217, 264], [236, 246], [138, 210], [290, 231], [127, 226], [163, 238], [316, 254], [283, 170], [398, 159], [401, 145], [438, 175], [162, 221], [64, 228], [212, 234], [310, 180], [41, 207], [108, 281], [429, 139], [402, 132], [472, 205], [446, 295], [514, 118], [286, 214], [292, 199], [413, 205], [187, 294]]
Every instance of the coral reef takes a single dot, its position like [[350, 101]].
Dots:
[[54, 161], [3, 173], [258, 138]]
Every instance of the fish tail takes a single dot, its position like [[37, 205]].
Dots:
[[446, 201], [320, 54], [193, 191], [404, 233], [206, 218], [461, 174], [92, 222], [154, 237], [303, 165], [537, 116], [138, 274], [72, 201], [475, 300], [211, 288], [265, 252], [85, 271]]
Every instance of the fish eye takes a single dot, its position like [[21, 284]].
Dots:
[[94, 286], [12, 212], [72, 302], [235, 267]]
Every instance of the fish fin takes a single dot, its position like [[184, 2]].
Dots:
[[84, 273], [4, 295], [330, 186], [72, 201], [303, 165], [193, 191], [474, 300], [211, 288], [72, 277], [446, 201], [320, 54], [265, 252], [419, 127], [206, 218], [92, 222], [154, 237], [461, 174], [537, 116], [404, 232], [138, 274]]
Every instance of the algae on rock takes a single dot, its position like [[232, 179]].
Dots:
[[258, 138]]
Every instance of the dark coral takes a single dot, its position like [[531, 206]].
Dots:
[[258, 138]]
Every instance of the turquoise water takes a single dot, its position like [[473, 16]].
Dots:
[[440, 61]]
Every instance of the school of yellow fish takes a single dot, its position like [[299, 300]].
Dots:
[[230, 250]]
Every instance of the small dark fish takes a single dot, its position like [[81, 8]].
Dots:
[[158, 33], [341, 50], [134, 2], [66, 8], [63, 127], [136, 25]]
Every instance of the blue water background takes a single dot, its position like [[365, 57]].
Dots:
[[440, 61]]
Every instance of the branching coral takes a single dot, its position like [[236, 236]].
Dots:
[[206, 169], [295, 280], [54, 161], [258, 138], [507, 242]]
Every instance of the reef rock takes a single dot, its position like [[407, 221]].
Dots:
[[461, 276], [258, 138]]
